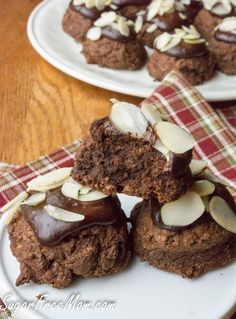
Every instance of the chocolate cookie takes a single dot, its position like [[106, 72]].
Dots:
[[112, 43], [184, 51], [126, 153], [66, 232], [190, 236], [223, 45]]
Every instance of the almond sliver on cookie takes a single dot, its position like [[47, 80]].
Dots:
[[174, 137], [50, 180], [128, 118], [63, 215], [222, 214], [197, 166], [184, 211]]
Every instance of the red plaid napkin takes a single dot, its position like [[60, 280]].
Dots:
[[213, 133]]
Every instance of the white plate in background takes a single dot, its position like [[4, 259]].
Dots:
[[59, 49]]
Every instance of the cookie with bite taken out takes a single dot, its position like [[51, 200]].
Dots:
[[136, 152]]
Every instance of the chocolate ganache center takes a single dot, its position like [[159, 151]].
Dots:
[[92, 13], [225, 36], [187, 50], [121, 3], [169, 22], [50, 231], [113, 34]]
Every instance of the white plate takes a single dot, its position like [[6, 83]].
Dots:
[[141, 291], [47, 37]]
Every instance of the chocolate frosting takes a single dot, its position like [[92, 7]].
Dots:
[[121, 3], [193, 8], [187, 50], [92, 14], [178, 163], [50, 231], [155, 207], [169, 22], [225, 36], [115, 35]]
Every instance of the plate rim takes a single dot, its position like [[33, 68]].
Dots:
[[77, 74]]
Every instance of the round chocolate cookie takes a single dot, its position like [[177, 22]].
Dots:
[[190, 252], [177, 52], [223, 46], [61, 238], [78, 19], [112, 43]]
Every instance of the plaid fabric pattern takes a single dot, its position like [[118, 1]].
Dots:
[[213, 132]]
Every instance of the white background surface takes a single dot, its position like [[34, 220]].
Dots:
[[59, 49], [140, 292]]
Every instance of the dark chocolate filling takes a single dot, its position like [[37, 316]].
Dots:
[[225, 36], [193, 8], [177, 164], [50, 231], [122, 3], [92, 14], [169, 22], [115, 35], [187, 50]]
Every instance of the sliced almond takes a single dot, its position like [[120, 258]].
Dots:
[[162, 40], [78, 2], [174, 137], [123, 27], [151, 113], [227, 25], [162, 149], [94, 33], [197, 167], [92, 196], [34, 199], [174, 41], [206, 202], [194, 41], [128, 118], [11, 213], [85, 190], [99, 4], [222, 8], [50, 180], [203, 187], [113, 100], [63, 215], [71, 189], [105, 19], [184, 211], [222, 213], [15, 201], [89, 4], [151, 28], [138, 24]]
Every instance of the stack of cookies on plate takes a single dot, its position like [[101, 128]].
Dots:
[[190, 36], [69, 223]]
